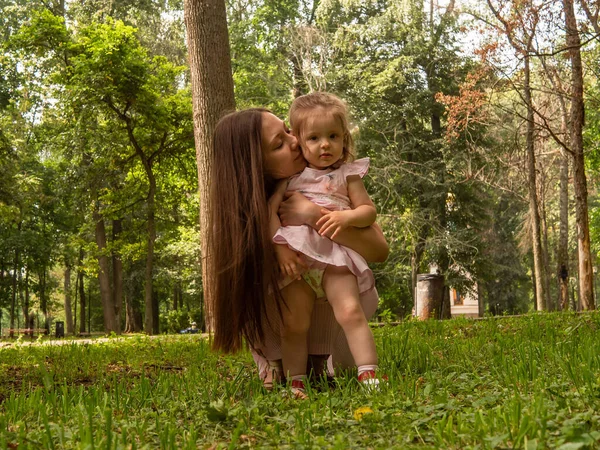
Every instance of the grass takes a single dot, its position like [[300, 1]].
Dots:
[[530, 382]]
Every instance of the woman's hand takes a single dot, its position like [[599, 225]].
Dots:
[[296, 209]]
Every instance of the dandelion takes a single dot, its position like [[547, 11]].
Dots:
[[360, 412]]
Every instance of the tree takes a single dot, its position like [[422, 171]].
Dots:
[[212, 94], [586, 275]]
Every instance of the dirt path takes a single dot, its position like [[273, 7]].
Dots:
[[51, 341]]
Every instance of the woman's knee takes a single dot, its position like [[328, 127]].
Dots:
[[295, 324]]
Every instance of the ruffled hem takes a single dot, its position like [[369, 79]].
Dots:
[[320, 251]]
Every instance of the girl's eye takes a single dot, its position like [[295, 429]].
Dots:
[[333, 136], [312, 138]]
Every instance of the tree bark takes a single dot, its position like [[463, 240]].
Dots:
[[538, 265], [586, 275], [68, 309], [81, 294], [212, 94], [544, 238], [149, 313], [563, 240], [13, 301], [111, 323], [117, 278]]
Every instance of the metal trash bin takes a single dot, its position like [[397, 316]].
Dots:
[[60, 329], [429, 298]]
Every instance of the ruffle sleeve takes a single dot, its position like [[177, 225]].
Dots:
[[359, 167]]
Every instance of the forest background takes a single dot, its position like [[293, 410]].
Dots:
[[481, 162]]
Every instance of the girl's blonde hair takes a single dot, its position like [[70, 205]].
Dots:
[[304, 105]]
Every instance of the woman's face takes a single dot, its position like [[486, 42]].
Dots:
[[281, 155]]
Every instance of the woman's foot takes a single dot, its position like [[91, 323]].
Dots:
[[274, 375]]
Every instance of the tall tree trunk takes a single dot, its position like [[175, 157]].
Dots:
[[81, 293], [155, 321], [68, 310], [110, 321], [117, 267], [133, 314], [28, 319], [586, 275], [563, 240], [544, 237], [540, 288], [212, 94], [149, 313], [44, 300], [13, 301]]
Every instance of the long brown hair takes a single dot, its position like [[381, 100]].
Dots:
[[241, 259]]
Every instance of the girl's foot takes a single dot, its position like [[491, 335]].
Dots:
[[298, 390], [370, 380]]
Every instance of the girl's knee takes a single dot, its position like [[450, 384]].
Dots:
[[350, 315]]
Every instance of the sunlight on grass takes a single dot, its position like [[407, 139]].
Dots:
[[529, 382]]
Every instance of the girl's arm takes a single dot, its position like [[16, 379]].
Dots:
[[369, 242], [362, 215], [290, 262]]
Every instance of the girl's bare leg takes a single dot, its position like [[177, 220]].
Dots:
[[341, 288], [300, 300]]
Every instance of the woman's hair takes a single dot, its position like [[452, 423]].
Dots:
[[305, 105], [241, 261]]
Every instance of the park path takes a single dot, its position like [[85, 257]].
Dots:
[[28, 342]]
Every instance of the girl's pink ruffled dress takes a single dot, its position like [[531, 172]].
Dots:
[[327, 188]]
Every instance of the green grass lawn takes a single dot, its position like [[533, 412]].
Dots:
[[528, 382]]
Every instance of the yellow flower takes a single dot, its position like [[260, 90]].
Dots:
[[360, 412]]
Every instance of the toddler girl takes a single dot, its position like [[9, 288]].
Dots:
[[324, 268]]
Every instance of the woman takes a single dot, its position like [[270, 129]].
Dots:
[[252, 150]]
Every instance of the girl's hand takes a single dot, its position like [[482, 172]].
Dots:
[[333, 223], [296, 209], [290, 263]]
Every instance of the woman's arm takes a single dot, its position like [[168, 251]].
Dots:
[[369, 242]]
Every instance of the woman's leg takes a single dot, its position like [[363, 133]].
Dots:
[[341, 288], [300, 300]]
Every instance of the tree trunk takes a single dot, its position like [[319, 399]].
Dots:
[[68, 309], [26, 314], [149, 312], [544, 237], [81, 294], [540, 288], [111, 323], [13, 300], [133, 314], [586, 275], [44, 300], [212, 94], [117, 266], [563, 240]]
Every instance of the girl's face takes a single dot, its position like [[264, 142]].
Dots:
[[322, 139], [281, 155]]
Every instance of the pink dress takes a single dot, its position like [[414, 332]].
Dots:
[[327, 188]]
